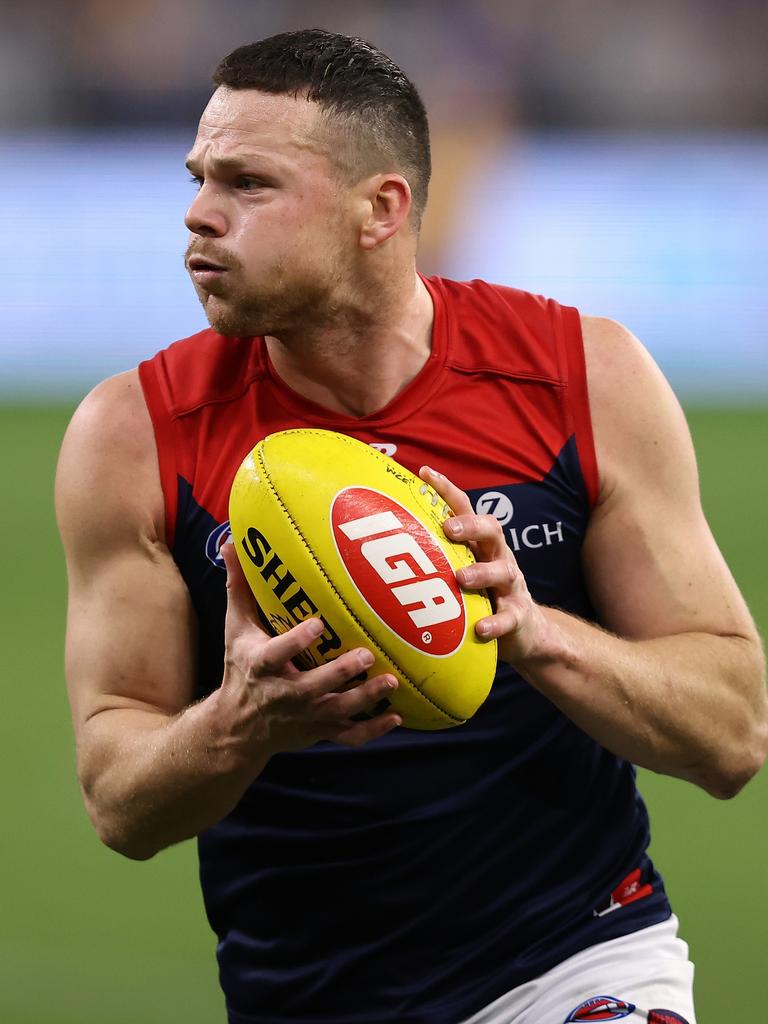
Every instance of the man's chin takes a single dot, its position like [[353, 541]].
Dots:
[[232, 328], [232, 323]]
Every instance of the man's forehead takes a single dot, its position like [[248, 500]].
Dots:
[[242, 117]]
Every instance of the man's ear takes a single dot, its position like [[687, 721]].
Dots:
[[389, 203]]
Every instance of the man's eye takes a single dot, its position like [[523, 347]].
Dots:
[[247, 184], [196, 180]]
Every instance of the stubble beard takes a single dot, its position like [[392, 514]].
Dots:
[[286, 305]]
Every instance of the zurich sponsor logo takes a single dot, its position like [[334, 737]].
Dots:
[[216, 540], [665, 1017], [534, 535], [601, 1008], [494, 503]]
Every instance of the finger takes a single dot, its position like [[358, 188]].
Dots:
[[363, 732], [505, 622], [484, 532], [449, 492], [368, 696], [500, 575], [278, 651], [242, 609], [337, 674]]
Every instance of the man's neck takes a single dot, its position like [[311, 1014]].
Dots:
[[357, 369]]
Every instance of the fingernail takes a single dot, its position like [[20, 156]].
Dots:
[[317, 626], [391, 683], [366, 659], [483, 628], [455, 527], [468, 575]]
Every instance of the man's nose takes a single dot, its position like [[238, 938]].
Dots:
[[206, 214]]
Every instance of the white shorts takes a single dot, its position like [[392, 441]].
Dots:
[[645, 976]]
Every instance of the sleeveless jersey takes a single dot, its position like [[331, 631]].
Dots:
[[422, 876]]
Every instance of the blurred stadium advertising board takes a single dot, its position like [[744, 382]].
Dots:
[[665, 233]]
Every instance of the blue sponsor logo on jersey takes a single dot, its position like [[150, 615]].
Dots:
[[216, 540], [531, 500], [601, 1008]]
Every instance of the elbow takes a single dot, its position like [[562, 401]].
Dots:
[[126, 846], [116, 835], [121, 841], [726, 787], [729, 780], [742, 757], [111, 814]]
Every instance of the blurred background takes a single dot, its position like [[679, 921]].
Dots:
[[609, 154]]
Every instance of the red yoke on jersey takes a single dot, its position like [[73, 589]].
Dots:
[[212, 398]]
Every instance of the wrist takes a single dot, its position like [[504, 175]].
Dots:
[[234, 737], [542, 641]]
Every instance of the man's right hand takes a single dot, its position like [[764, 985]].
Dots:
[[283, 708]]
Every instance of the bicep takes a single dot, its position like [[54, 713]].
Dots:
[[130, 633], [652, 565], [130, 623]]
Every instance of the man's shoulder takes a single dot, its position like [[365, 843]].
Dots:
[[201, 369], [515, 331], [615, 358], [494, 297], [108, 454], [113, 413]]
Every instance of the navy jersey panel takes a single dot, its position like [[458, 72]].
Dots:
[[420, 877], [473, 866]]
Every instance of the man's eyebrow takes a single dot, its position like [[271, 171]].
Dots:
[[226, 163]]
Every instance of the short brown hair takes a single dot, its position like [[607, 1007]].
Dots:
[[356, 85]]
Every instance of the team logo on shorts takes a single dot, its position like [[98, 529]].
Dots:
[[601, 1008], [216, 540], [665, 1017]]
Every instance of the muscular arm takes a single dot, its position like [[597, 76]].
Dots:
[[154, 767], [678, 683], [688, 689]]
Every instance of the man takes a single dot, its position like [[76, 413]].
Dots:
[[355, 871]]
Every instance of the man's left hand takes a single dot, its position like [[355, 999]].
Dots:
[[518, 623]]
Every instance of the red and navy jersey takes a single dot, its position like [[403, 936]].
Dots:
[[420, 877]]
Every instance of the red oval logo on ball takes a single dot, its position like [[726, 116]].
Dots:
[[399, 569]]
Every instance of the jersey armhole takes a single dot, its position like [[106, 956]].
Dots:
[[160, 415], [571, 340]]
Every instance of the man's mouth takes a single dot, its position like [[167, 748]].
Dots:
[[206, 274], [199, 264]]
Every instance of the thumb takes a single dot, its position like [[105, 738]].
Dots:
[[242, 609]]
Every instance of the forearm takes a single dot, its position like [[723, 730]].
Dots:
[[691, 705], [150, 781]]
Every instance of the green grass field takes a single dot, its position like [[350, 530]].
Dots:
[[89, 938]]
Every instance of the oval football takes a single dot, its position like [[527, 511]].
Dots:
[[324, 525]]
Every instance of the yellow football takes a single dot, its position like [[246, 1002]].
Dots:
[[327, 526]]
